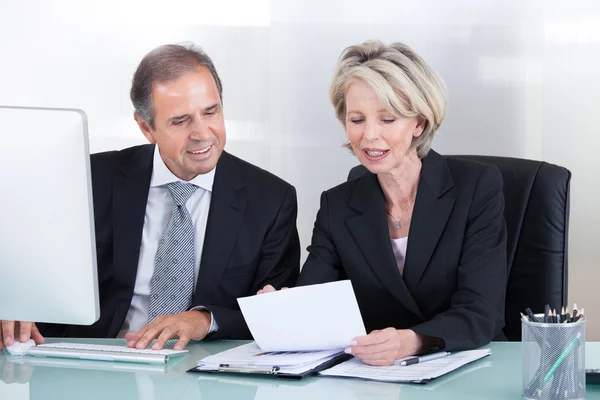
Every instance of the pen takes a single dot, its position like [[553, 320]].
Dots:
[[532, 317], [581, 315], [415, 360], [247, 370], [564, 355]]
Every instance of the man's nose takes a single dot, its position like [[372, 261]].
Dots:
[[200, 130]]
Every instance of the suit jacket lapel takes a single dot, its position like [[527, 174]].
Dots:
[[227, 207], [433, 206], [370, 232], [130, 195]]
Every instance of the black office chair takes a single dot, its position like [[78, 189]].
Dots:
[[536, 211]]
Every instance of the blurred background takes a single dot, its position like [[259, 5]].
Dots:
[[522, 77]]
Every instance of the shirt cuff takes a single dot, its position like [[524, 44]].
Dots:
[[213, 324]]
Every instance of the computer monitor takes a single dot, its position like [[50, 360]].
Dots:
[[47, 242]]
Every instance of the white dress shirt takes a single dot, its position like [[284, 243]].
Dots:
[[158, 213]]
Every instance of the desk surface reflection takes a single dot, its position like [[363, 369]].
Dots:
[[495, 377]]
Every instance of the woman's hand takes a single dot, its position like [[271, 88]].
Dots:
[[383, 347], [268, 289]]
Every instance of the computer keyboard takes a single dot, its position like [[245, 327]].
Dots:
[[103, 352]]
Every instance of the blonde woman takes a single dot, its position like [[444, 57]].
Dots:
[[421, 236]]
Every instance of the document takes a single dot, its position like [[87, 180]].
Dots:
[[416, 373], [252, 355], [249, 358], [306, 318]]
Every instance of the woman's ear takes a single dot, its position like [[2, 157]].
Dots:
[[421, 122]]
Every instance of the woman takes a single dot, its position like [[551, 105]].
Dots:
[[421, 236]]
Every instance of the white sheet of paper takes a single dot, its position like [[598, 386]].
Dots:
[[355, 368], [315, 317], [252, 355]]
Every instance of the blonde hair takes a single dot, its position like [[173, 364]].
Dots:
[[404, 83]]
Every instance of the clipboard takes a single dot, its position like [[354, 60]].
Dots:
[[273, 371]]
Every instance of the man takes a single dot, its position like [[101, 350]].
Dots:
[[182, 227]]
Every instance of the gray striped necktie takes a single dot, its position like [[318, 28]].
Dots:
[[172, 283]]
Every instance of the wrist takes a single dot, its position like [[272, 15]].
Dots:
[[205, 319]]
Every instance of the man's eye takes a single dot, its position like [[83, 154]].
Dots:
[[178, 122]]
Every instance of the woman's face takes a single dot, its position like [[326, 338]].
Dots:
[[379, 139]]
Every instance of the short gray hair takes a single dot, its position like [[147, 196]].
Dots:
[[166, 64], [404, 83]]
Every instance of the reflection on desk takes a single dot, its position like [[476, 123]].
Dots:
[[496, 377], [31, 362], [327, 387], [60, 378], [266, 388]]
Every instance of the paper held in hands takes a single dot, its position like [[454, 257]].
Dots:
[[315, 317]]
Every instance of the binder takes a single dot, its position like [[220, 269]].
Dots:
[[273, 371], [251, 359]]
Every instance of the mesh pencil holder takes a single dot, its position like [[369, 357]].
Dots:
[[553, 360]]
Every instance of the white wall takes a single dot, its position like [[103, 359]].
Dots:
[[521, 74]]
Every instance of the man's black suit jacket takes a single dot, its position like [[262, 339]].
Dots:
[[455, 273], [251, 239]]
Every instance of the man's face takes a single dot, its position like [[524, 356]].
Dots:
[[189, 127]]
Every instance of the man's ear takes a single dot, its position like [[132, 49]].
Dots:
[[145, 128]]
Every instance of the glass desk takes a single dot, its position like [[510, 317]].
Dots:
[[494, 377]]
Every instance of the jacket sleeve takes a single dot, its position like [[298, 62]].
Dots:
[[323, 263], [278, 266]]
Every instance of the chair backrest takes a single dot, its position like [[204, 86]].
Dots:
[[536, 211]]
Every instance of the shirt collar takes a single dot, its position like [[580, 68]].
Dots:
[[161, 175]]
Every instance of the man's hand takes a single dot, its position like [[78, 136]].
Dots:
[[20, 330], [269, 289], [188, 325], [383, 347]]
